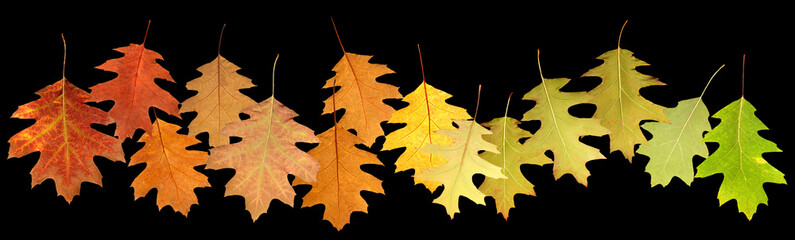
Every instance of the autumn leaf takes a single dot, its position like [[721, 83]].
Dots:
[[461, 163], [560, 132], [64, 137], [218, 100], [740, 146], [739, 157], [427, 112], [340, 179], [134, 89], [506, 135], [265, 155], [673, 146], [169, 167], [619, 104], [360, 94]]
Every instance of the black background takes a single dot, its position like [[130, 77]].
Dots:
[[462, 46]]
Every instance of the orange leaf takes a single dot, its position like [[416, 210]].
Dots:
[[169, 167], [63, 135], [340, 179], [361, 96], [134, 89]]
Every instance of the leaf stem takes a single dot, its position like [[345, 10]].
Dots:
[[147, 32], [338, 34], [477, 104], [508, 104], [219, 39], [742, 84], [422, 68], [621, 32], [273, 77], [538, 59], [63, 67], [710, 80]]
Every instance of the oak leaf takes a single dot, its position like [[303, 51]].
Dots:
[[218, 101], [64, 137], [560, 132], [169, 167], [361, 95], [265, 155], [739, 157], [134, 89], [340, 179], [427, 112], [506, 136], [673, 146], [618, 102], [462, 162]]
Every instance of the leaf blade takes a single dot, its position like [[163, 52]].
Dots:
[[265, 155], [738, 125], [63, 134], [218, 100]]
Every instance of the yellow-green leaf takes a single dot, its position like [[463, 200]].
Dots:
[[619, 104], [739, 157], [560, 132]]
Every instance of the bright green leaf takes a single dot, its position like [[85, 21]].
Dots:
[[739, 157]]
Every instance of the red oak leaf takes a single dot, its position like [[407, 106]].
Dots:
[[134, 89]]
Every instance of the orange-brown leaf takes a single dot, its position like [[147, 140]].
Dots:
[[361, 96], [218, 101], [340, 179], [134, 89], [63, 135], [169, 167], [265, 155]]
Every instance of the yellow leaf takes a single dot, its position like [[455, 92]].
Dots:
[[462, 162], [427, 112]]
